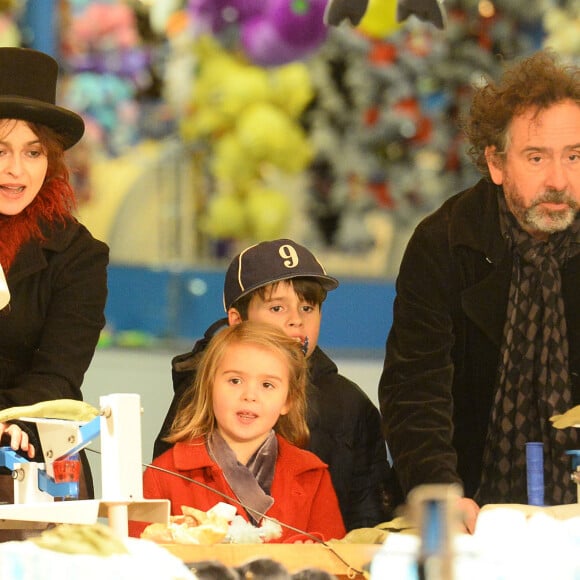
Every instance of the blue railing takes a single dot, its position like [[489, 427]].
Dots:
[[181, 303]]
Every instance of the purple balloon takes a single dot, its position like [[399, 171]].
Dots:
[[265, 47], [248, 8], [298, 21], [218, 14]]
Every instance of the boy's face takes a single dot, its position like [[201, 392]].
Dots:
[[283, 308]]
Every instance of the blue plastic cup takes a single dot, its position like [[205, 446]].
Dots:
[[535, 472]]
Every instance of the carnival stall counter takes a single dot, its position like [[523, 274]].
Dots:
[[342, 560]]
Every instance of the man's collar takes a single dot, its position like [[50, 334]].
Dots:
[[474, 221]]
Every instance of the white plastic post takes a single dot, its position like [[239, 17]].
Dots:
[[118, 515], [26, 484], [121, 471]]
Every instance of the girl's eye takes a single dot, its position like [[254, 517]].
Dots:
[[235, 381], [268, 385], [276, 308]]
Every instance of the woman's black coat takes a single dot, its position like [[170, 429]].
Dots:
[[50, 329]]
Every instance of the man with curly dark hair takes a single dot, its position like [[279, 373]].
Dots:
[[485, 343]]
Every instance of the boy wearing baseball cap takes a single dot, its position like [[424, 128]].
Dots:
[[282, 283]]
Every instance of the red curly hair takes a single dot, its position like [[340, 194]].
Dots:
[[54, 203]]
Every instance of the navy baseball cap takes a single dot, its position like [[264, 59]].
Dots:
[[269, 262]]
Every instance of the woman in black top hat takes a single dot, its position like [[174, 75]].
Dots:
[[52, 304]]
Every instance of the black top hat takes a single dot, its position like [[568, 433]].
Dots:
[[269, 262], [28, 92]]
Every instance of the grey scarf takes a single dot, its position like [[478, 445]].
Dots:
[[251, 482]]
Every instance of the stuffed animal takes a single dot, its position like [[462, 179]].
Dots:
[[102, 47], [271, 32], [9, 15], [432, 11], [563, 30], [248, 117]]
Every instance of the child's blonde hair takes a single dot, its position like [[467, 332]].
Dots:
[[195, 416]]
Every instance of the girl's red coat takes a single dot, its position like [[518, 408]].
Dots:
[[302, 489]]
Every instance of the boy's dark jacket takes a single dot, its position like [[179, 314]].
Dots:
[[345, 432]]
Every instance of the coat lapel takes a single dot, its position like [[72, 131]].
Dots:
[[486, 272], [485, 303]]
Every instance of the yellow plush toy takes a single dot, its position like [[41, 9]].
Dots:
[[563, 30], [249, 118]]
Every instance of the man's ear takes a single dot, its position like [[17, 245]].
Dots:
[[494, 164], [234, 317]]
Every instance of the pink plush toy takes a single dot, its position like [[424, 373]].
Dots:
[[103, 26]]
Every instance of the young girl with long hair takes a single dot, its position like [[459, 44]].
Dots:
[[240, 430]]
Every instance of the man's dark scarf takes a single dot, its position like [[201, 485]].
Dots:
[[533, 377]]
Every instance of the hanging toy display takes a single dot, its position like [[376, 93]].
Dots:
[[562, 26], [269, 32], [379, 20], [389, 102], [248, 118], [9, 13], [354, 11], [286, 30], [218, 15], [102, 48]]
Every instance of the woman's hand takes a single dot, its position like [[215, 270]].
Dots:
[[18, 438], [468, 510]]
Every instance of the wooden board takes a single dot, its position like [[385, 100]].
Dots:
[[293, 557]]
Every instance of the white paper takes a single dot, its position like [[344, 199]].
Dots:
[[4, 292]]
